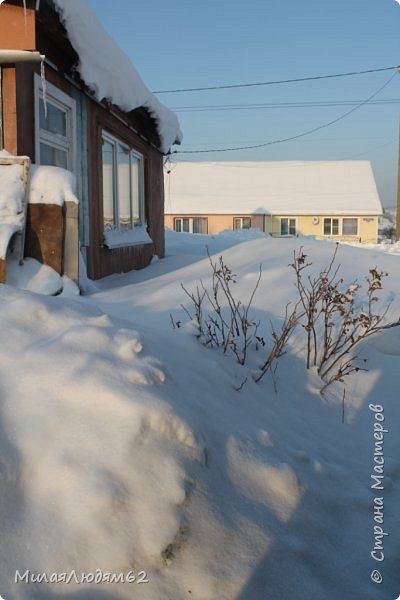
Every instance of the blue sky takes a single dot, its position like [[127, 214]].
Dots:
[[191, 43]]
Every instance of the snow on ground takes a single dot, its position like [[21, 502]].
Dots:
[[32, 276], [125, 445]]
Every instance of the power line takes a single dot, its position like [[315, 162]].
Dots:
[[293, 137], [392, 141], [276, 82], [314, 140], [271, 105]]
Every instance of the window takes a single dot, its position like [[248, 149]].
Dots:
[[288, 226], [55, 126], [123, 186], [191, 224], [349, 226], [331, 226], [241, 223]]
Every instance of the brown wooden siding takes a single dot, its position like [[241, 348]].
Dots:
[[17, 29], [45, 235]]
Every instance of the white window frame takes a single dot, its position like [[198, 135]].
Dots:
[[111, 139], [340, 227], [53, 95], [288, 219], [331, 219], [240, 221], [191, 220]]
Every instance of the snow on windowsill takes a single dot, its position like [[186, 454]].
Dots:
[[131, 237]]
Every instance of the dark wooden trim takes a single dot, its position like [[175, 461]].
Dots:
[[52, 39], [2, 270]]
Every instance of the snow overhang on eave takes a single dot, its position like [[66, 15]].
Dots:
[[101, 63]]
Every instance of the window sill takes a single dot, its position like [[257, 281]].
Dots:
[[132, 237]]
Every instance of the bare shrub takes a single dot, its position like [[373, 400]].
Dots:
[[331, 313], [334, 319], [226, 323], [279, 343]]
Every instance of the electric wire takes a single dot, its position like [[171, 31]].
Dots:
[[273, 105], [275, 82], [293, 137], [368, 152]]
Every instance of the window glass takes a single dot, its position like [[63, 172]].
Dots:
[[327, 226], [246, 223], [349, 227], [123, 200], [241, 223], [191, 224], [331, 226], [199, 225], [53, 156], [124, 192], [136, 188], [56, 119], [108, 185], [55, 127], [288, 226]]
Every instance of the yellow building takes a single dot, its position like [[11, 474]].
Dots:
[[324, 199]]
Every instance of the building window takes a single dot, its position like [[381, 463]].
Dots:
[[349, 226], [241, 223], [123, 186], [288, 226], [55, 126], [191, 224], [331, 226]]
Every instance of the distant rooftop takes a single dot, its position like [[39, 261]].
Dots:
[[278, 187]]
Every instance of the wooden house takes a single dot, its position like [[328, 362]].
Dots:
[[69, 97], [323, 199]]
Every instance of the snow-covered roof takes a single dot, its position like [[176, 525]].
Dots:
[[289, 187], [108, 71]]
